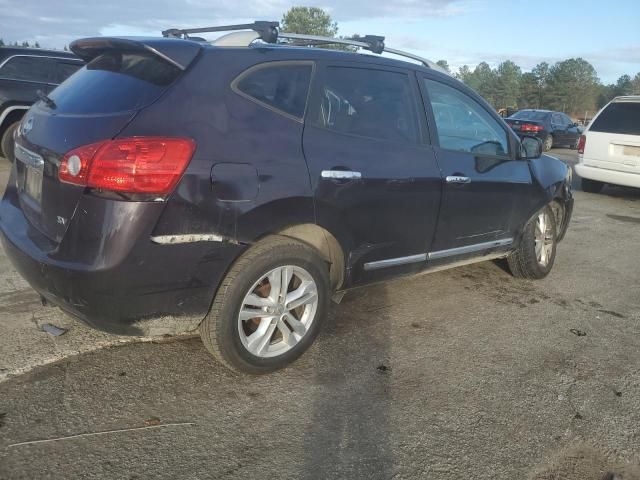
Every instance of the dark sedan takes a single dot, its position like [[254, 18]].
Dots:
[[553, 128]]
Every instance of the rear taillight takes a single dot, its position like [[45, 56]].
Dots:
[[581, 144], [152, 165], [528, 127]]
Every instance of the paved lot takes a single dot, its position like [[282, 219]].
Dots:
[[465, 374]]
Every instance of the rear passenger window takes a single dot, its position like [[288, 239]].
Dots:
[[34, 69], [370, 103], [620, 117], [463, 124], [283, 86]]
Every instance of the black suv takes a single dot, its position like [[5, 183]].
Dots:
[[173, 184], [553, 128], [24, 71]]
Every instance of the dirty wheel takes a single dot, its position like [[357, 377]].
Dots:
[[269, 308], [536, 253], [548, 143], [6, 143]]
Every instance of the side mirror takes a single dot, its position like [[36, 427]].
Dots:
[[530, 147]]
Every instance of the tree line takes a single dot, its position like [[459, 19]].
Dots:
[[571, 85]]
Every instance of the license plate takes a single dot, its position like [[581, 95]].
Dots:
[[515, 127], [631, 151], [33, 165], [33, 183]]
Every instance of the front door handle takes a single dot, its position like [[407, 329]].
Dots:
[[341, 174], [457, 179]]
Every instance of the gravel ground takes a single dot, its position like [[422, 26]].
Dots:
[[463, 374]]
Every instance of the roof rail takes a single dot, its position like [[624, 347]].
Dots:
[[269, 32]]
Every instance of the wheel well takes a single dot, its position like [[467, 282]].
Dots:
[[325, 243], [12, 117]]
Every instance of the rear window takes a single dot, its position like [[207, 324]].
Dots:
[[115, 82], [620, 117], [280, 85], [529, 115]]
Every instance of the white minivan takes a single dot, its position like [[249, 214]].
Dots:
[[609, 149]]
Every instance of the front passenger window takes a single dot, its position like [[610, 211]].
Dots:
[[463, 124]]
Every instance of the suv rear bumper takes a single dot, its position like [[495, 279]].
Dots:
[[614, 177], [138, 288]]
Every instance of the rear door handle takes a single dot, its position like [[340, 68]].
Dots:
[[457, 179], [341, 174]]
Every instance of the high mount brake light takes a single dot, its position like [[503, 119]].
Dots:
[[151, 165]]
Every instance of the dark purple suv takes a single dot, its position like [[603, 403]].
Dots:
[[171, 185]]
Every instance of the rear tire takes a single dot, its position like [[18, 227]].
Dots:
[[536, 253], [591, 186], [548, 143], [6, 143], [278, 333]]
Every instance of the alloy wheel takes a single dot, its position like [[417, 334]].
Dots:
[[277, 311], [544, 238]]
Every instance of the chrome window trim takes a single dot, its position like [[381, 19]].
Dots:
[[277, 63], [6, 60], [476, 247]]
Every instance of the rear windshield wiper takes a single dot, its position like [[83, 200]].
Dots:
[[43, 96]]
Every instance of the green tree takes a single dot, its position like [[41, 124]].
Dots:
[[37, 45], [309, 21], [25, 44], [444, 65], [635, 84], [541, 73], [484, 81], [464, 74], [507, 84], [573, 86], [624, 85], [529, 95], [1, 43]]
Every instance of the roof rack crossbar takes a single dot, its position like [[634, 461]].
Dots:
[[372, 43], [268, 30]]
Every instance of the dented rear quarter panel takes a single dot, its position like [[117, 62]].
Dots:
[[248, 175]]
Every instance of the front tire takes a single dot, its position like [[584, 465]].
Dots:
[[6, 142], [536, 253], [591, 186], [269, 308]]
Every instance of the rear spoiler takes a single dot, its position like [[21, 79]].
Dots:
[[179, 53]]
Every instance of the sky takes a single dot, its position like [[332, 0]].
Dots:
[[605, 33]]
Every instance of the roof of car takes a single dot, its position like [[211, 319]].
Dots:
[[627, 98], [6, 52]]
